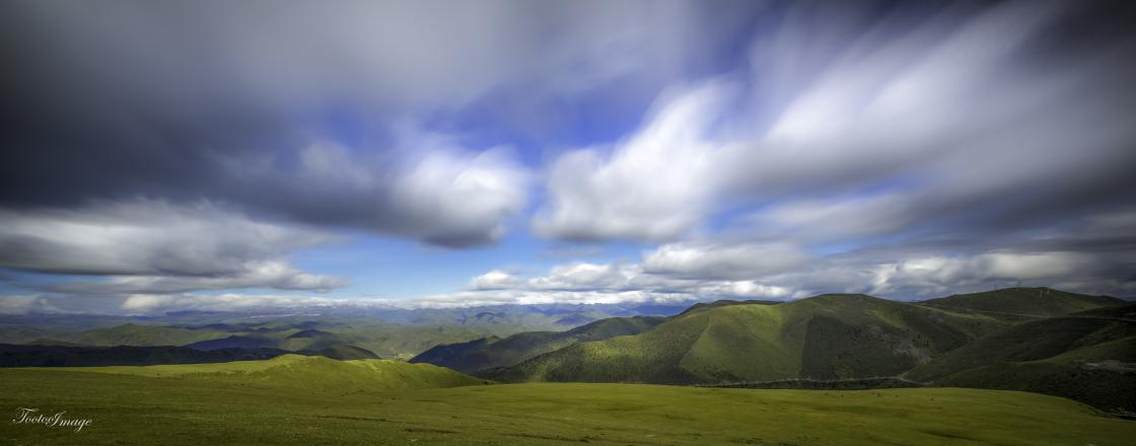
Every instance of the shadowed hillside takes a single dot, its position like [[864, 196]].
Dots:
[[1088, 356], [77, 356], [493, 352]]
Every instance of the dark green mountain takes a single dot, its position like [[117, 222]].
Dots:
[[234, 341], [1088, 356], [143, 335], [824, 337], [491, 352], [72, 356]]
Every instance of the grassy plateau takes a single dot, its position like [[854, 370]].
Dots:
[[311, 401]]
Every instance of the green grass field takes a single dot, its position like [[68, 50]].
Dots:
[[307, 401]]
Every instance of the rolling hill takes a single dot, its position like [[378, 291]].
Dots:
[[492, 352], [305, 373], [1088, 356], [836, 336], [1018, 304]]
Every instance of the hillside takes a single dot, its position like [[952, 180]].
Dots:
[[493, 352], [824, 337], [216, 412], [1018, 304], [1088, 356], [81, 356]]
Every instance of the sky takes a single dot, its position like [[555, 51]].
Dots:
[[221, 155]]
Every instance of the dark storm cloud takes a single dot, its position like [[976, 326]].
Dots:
[[155, 247], [231, 101], [227, 101]]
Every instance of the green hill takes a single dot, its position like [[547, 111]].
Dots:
[[1017, 304], [303, 373], [1088, 356], [494, 352], [341, 352], [824, 337]]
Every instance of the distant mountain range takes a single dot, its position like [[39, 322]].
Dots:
[[391, 333]]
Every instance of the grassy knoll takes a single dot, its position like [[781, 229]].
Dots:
[[304, 373], [215, 404]]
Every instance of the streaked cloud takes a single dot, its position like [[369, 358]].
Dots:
[[207, 155]]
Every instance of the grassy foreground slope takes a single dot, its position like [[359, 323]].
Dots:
[[1088, 356], [154, 408], [493, 352], [824, 337]]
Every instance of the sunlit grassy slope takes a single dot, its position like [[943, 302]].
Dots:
[[242, 404], [304, 373], [825, 337]]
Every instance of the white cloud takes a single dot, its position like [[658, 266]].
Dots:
[[494, 280], [723, 260], [683, 272], [679, 272], [583, 276], [940, 274], [655, 185], [746, 289], [461, 198]]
